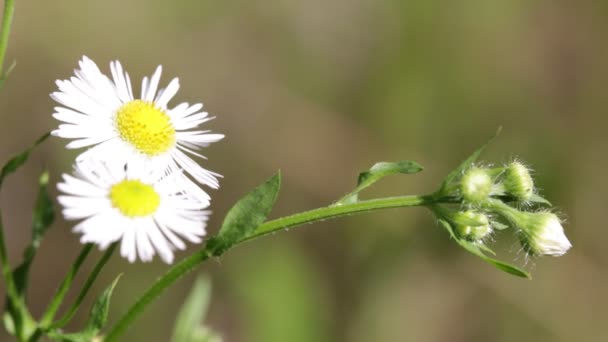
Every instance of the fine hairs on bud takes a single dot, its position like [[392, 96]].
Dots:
[[518, 182], [472, 225], [476, 185], [541, 233]]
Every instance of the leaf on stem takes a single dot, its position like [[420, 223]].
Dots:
[[43, 217], [97, 318], [17, 161], [245, 216], [188, 323], [478, 250], [535, 198], [375, 173], [463, 166]]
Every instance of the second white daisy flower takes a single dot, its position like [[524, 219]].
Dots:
[[103, 114], [146, 211]]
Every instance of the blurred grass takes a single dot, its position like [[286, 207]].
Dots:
[[322, 90]]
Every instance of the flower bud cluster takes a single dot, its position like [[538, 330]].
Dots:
[[478, 184], [486, 192]]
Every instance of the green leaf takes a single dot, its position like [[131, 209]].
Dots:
[[476, 249], [97, 319], [539, 199], [99, 311], [17, 161], [43, 217], [187, 325], [375, 173], [246, 215], [463, 166]]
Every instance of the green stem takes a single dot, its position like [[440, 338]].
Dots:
[[7, 274], [173, 274], [325, 213], [85, 288], [7, 20], [190, 263], [51, 310]]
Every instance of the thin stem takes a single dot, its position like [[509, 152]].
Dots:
[[190, 263], [51, 310], [325, 213], [173, 274], [85, 288], [7, 20], [6, 268]]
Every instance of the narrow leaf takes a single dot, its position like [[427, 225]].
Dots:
[[375, 173], [43, 217], [464, 165], [193, 311], [539, 199], [246, 215], [17, 161], [97, 319], [99, 311], [475, 249]]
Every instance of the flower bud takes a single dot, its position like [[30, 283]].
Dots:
[[518, 182], [476, 185], [542, 234], [472, 226]]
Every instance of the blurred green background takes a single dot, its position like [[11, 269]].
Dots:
[[322, 90]]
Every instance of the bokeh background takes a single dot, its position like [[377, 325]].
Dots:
[[322, 90]]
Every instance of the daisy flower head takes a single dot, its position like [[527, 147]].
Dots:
[[102, 113], [143, 208]]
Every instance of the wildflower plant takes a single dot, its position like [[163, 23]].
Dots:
[[136, 187]]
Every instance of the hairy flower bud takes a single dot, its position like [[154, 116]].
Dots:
[[476, 185], [472, 225], [542, 234], [518, 182]]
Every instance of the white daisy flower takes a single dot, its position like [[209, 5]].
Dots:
[[103, 114], [143, 209]]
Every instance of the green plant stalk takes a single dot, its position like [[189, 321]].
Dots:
[[85, 288], [51, 310], [190, 263], [7, 274], [7, 20]]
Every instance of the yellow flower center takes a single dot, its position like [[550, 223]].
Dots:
[[146, 127], [134, 198]]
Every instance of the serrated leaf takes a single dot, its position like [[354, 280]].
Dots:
[[375, 173], [43, 217], [464, 165], [475, 249], [17, 161], [192, 312], [246, 215]]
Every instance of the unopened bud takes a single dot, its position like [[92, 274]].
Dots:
[[542, 234], [476, 185], [472, 226], [518, 182]]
